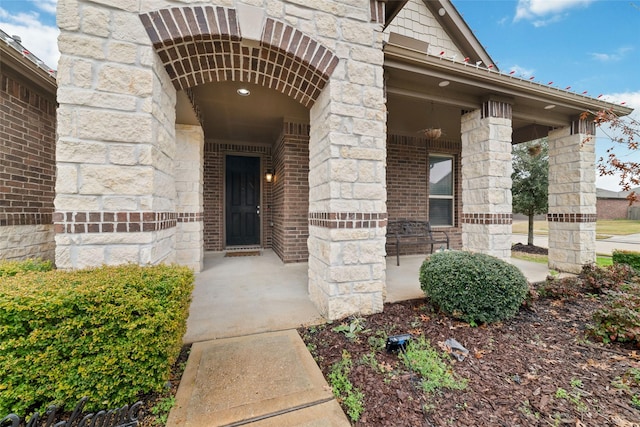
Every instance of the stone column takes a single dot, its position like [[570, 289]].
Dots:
[[189, 172], [347, 195], [572, 197], [486, 179], [115, 188]]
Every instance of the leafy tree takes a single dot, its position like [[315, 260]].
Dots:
[[623, 131], [531, 180]]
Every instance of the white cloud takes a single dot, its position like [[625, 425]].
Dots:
[[615, 55], [544, 22], [48, 6], [38, 38], [535, 9]]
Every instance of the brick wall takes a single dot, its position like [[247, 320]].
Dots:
[[27, 167], [612, 208], [291, 193], [407, 183]]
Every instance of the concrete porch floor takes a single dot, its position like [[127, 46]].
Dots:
[[237, 296], [248, 366]]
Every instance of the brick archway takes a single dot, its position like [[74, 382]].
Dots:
[[203, 44]]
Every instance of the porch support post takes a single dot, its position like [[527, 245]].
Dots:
[[189, 173], [115, 185], [347, 195], [486, 179], [572, 197]]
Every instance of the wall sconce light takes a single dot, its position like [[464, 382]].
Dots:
[[268, 176]]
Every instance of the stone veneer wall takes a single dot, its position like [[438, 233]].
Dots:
[[572, 197], [27, 167], [486, 179], [215, 153], [121, 64], [189, 204], [291, 193], [115, 189], [408, 183]]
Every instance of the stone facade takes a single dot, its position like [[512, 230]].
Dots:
[[572, 197], [486, 179], [129, 197], [189, 178], [27, 160], [132, 186]]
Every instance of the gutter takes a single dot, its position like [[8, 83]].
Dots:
[[396, 56]]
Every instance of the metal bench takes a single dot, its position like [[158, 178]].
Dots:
[[416, 233]]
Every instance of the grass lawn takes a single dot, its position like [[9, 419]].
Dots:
[[604, 228], [601, 261]]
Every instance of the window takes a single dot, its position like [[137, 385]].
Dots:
[[441, 190]]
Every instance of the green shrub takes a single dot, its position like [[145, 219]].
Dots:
[[11, 268], [619, 319], [591, 280], [110, 333], [472, 286], [597, 280], [561, 288], [627, 257]]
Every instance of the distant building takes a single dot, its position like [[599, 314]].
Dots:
[[613, 204]]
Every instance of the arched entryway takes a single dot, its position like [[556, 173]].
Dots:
[[129, 187], [314, 203], [251, 97]]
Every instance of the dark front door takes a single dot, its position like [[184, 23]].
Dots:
[[243, 200]]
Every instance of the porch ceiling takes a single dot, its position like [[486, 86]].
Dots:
[[415, 101], [229, 116], [415, 77]]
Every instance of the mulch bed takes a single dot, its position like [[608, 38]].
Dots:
[[516, 369], [529, 249]]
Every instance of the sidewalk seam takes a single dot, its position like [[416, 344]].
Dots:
[[278, 413]]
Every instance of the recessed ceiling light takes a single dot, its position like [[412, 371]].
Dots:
[[444, 83], [550, 106], [441, 11], [243, 92]]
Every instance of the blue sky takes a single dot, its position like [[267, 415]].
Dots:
[[590, 45]]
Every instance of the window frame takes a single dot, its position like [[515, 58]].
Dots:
[[451, 197]]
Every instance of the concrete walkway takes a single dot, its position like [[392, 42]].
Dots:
[[248, 366], [264, 380], [630, 242]]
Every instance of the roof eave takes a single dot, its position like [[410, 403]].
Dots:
[[457, 27], [497, 82], [15, 60]]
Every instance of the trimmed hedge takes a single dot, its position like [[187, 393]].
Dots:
[[475, 287], [109, 333], [630, 258], [11, 268]]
